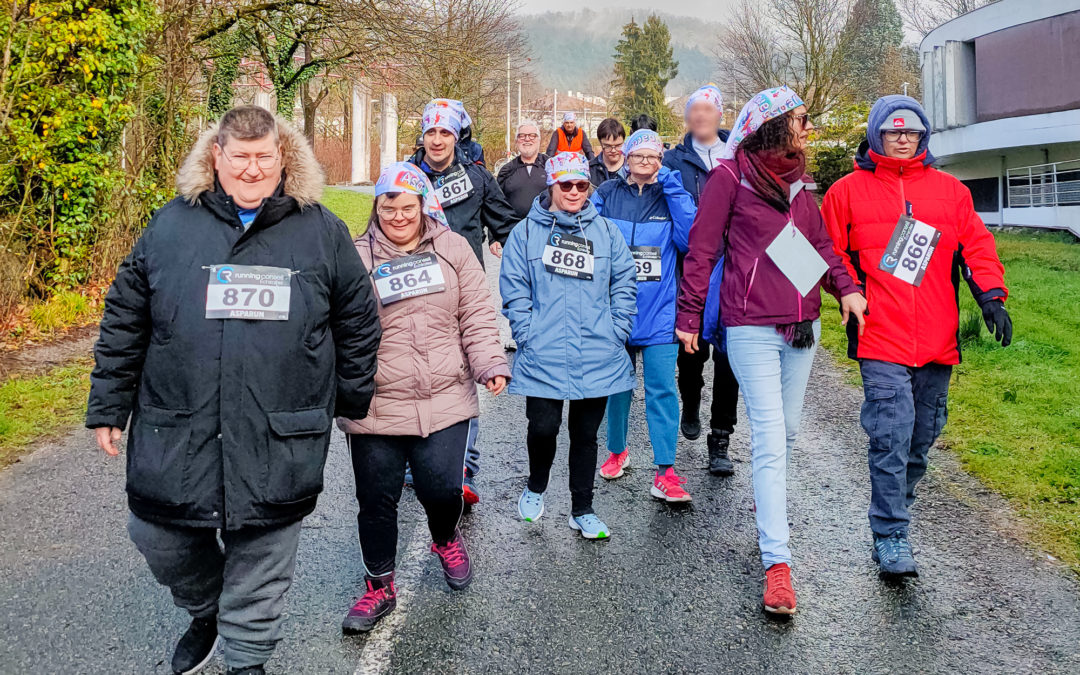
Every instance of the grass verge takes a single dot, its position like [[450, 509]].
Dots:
[[351, 206], [1014, 413], [38, 406]]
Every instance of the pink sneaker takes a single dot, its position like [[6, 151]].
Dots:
[[668, 486], [613, 467]]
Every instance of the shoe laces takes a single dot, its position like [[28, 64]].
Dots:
[[671, 479], [371, 599], [894, 547], [532, 498], [590, 521], [452, 554], [777, 580]]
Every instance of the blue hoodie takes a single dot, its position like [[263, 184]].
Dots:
[[658, 214], [883, 107]]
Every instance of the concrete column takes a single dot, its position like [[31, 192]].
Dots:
[[361, 146], [388, 121], [263, 99]]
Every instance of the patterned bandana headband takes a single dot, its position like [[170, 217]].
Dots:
[[445, 113], [643, 139], [404, 177], [710, 94], [565, 167], [757, 111]]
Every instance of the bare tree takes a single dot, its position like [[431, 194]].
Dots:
[[800, 43], [923, 16]]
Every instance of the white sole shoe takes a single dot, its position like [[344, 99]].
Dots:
[[202, 664]]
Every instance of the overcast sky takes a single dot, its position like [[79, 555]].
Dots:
[[711, 10]]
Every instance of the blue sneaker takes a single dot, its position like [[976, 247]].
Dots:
[[893, 555], [590, 526], [531, 505]]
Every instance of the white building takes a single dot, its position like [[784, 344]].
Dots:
[[1002, 90]]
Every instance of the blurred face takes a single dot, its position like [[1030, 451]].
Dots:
[[569, 196], [569, 126], [644, 165], [902, 144], [249, 171], [399, 218], [801, 126], [439, 148], [528, 142], [702, 121], [611, 147]]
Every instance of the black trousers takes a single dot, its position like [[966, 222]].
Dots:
[[725, 393], [545, 418], [437, 463]]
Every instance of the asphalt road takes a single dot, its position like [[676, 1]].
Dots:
[[675, 590]]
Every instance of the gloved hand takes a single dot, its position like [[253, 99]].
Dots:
[[997, 321]]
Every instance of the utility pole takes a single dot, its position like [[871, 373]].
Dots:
[[508, 104], [555, 109], [519, 103], [905, 88]]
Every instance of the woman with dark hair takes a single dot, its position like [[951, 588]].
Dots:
[[777, 256], [439, 340]]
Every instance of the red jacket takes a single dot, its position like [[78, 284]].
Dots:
[[911, 325]]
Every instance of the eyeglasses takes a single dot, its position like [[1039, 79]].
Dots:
[[645, 159], [579, 185], [242, 162], [528, 137], [804, 119], [407, 212], [611, 147], [894, 135]]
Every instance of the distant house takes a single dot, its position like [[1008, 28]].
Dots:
[[1002, 89]]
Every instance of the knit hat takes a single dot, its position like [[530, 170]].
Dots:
[[902, 118]]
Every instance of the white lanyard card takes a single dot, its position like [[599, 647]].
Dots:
[[797, 258]]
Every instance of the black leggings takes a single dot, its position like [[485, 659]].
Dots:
[[545, 418], [725, 389], [379, 469]]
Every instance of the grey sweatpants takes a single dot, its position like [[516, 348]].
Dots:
[[244, 584]]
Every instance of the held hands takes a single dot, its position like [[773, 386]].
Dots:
[[689, 340], [496, 249], [497, 384], [998, 321], [108, 439], [853, 304]]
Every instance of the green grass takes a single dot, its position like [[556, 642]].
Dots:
[[34, 407], [352, 207], [1014, 413]]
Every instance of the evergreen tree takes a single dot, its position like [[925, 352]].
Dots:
[[643, 67], [876, 36]]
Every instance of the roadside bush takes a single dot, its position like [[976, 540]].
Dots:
[[832, 148]]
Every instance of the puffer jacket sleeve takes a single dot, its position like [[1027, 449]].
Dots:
[[476, 318], [837, 280], [706, 245], [515, 284], [121, 348], [680, 205], [982, 269], [354, 325], [623, 286], [835, 211]]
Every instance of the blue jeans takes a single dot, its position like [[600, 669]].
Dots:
[[661, 404], [903, 413], [472, 454], [772, 377]]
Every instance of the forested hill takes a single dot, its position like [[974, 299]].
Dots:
[[573, 50]]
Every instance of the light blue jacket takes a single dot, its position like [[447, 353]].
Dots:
[[571, 333]]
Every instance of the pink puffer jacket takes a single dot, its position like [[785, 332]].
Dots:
[[434, 347]]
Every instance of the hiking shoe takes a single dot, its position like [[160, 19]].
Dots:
[[719, 462], [531, 505], [590, 526], [250, 670], [379, 600], [779, 593], [408, 475], [893, 556], [469, 492], [613, 467], [196, 646], [456, 565], [668, 487], [690, 425]]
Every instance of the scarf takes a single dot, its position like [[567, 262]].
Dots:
[[771, 174]]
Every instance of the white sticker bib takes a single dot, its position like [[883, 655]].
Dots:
[[569, 256], [408, 277], [797, 258], [254, 292], [910, 248], [648, 262], [453, 187]]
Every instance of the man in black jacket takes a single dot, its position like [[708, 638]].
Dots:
[[523, 178], [472, 202], [241, 323]]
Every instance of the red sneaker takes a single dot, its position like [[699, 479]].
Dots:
[[469, 493], [455, 562], [613, 467], [668, 486], [379, 600], [779, 593]]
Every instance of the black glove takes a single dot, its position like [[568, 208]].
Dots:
[[997, 321]]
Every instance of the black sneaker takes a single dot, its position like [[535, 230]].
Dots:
[[250, 670], [196, 646], [691, 425], [719, 463]]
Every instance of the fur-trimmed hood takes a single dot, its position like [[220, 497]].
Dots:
[[303, 176]]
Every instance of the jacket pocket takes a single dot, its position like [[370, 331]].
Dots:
[[941, 414], [157, 463], [297, 447]]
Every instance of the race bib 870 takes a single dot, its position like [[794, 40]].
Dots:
[[248, 292], [909, 251]]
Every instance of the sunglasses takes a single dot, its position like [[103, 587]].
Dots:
[[579, 185], [803, 119]]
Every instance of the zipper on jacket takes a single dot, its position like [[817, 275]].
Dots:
[[906, 207], [753, 275]]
